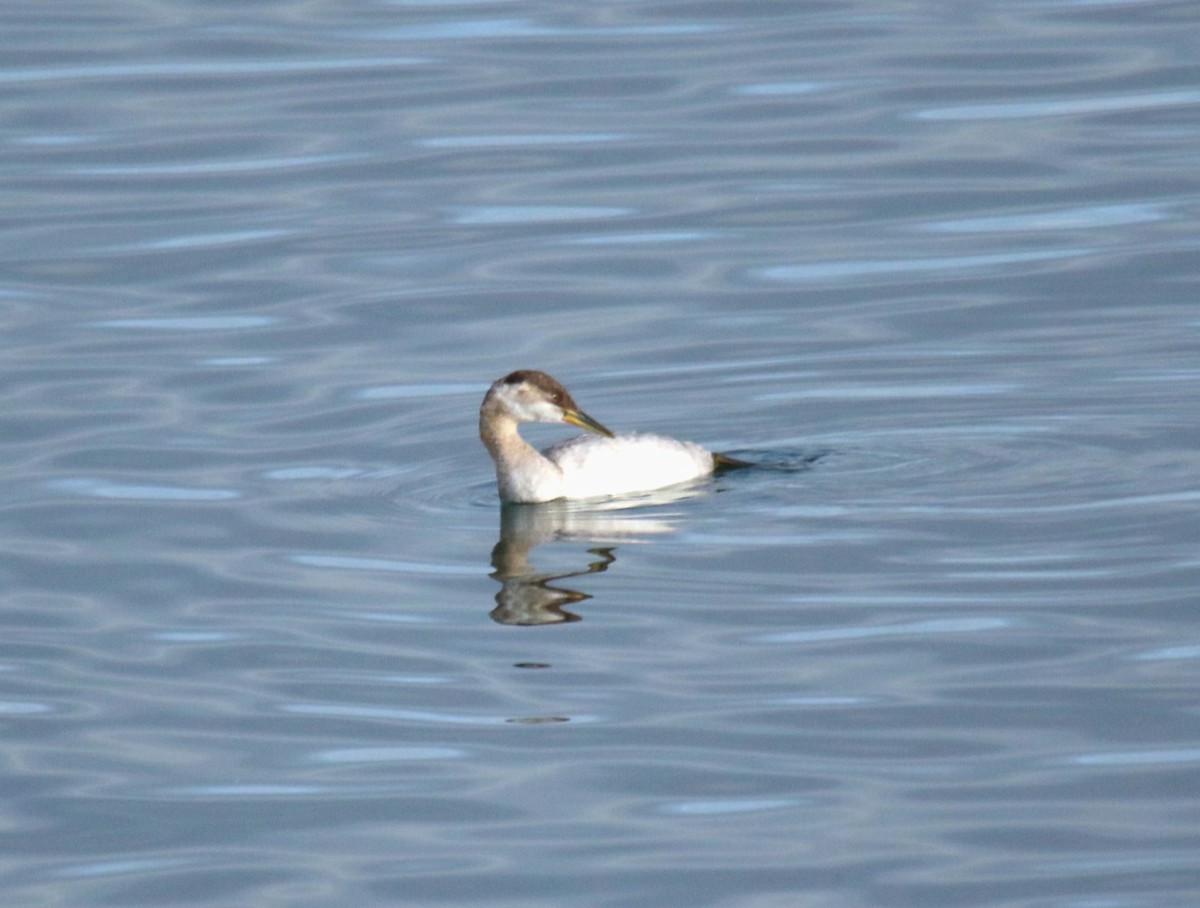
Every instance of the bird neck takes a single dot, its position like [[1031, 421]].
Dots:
[[499, 434], [522, 473]]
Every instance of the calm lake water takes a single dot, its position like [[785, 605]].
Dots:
[[270, 640]]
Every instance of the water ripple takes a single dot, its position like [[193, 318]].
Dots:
[[729, 806], [389, 565], [351, 755], [529, 140], [213, 68], [192, 323], [821, 271], [1139, 758], [535, 214], [211, 168], [918, 628], [1059, 219], [99, 488], [1011, 110]]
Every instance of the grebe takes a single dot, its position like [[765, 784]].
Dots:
[[588, 466]]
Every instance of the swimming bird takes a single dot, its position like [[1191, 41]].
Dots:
[[588, 466]]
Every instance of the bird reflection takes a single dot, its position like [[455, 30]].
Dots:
[[528, 596]]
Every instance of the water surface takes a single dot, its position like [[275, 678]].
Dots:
[[269, 638]]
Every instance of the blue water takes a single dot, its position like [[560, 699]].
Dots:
[[268, 637]]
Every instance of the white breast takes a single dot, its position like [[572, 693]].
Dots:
[[593, 466]]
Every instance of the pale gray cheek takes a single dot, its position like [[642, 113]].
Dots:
[[544, 412]]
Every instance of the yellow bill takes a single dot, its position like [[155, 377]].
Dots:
[[581, 419]]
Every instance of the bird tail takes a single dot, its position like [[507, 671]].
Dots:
[[725, 462]]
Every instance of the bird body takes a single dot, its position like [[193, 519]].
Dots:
[[588, 466], [596, 466]]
